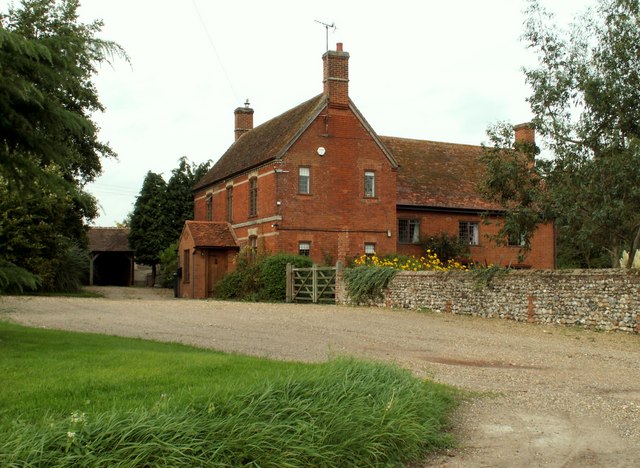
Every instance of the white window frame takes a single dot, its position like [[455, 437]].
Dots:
[[369, 248], [369, 184], [304, 180], [469, 232], [414, 235], [304, 246]]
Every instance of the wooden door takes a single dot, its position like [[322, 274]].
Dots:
[[216, 269]]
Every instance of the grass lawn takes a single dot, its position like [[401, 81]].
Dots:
[[91, 400]]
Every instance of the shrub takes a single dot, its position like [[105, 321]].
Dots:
[[16, 279], [169, 264], [446, 247], [273, 274], [243, 283], [230, 287], [68, 270], [262, 279]]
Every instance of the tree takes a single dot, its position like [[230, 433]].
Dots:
[[179, 199], [49, 147], [46, 94], [160, 212], [150, 227], [44, 233], [586, 105]]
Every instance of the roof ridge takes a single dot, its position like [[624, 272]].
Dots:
[[262, 144], [431, 141]]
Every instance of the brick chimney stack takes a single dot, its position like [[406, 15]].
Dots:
[[525, 133], [336, 76], [244, 120]]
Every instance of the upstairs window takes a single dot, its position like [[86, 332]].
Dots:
[[304, 248], [304, 178], [230, 204], [369, 184], [408, 231], [209, 207], [469, 232], [253, 196]]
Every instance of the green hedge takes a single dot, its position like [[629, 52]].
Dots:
[[263, 280]]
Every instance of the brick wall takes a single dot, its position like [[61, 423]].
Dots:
[[542, 255], [599, 299], [335, 216]]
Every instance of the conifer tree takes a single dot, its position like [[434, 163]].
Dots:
[[150, 225]]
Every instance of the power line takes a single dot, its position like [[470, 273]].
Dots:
[[206, 30]]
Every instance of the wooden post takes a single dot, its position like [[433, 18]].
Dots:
[[93, 258], [289, 293], [314, 282], [339, 286]]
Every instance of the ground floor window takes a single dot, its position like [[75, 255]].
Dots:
[[469, 232], [408, 231], [253, 247], [186, 270], [516, 240], [304, 248], [369, 249]]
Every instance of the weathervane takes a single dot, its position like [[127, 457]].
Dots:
[[326, 27]]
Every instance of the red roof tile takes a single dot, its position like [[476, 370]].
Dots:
[[108, 239], [434, 174], [211, 234], [264, 143]]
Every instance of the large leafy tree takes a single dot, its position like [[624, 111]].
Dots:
[[49, 146], [150, 224], [586, 105]]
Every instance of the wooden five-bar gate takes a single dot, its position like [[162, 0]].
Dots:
[[315, 284]]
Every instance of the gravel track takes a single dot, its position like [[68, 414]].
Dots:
[[545, 396]]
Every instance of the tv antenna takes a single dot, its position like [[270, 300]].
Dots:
[[326, 27]]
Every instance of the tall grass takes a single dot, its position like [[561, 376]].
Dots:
[[226, 411]]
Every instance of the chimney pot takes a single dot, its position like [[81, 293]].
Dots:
[[339, 47]]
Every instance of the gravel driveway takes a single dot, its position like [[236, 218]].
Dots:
[[546, 396]]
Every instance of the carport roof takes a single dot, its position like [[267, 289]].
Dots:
[[109, 239]]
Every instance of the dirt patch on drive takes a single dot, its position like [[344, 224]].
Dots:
[[546, 396]]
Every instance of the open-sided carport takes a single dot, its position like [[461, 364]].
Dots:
[[112, 260]]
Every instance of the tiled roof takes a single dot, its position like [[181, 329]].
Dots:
[[211, 234], [264, 143], [108, 239], [434, 174]]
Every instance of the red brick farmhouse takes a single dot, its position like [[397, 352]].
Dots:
[[317, 180]]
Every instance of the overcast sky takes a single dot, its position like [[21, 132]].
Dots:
[[432, 70]]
